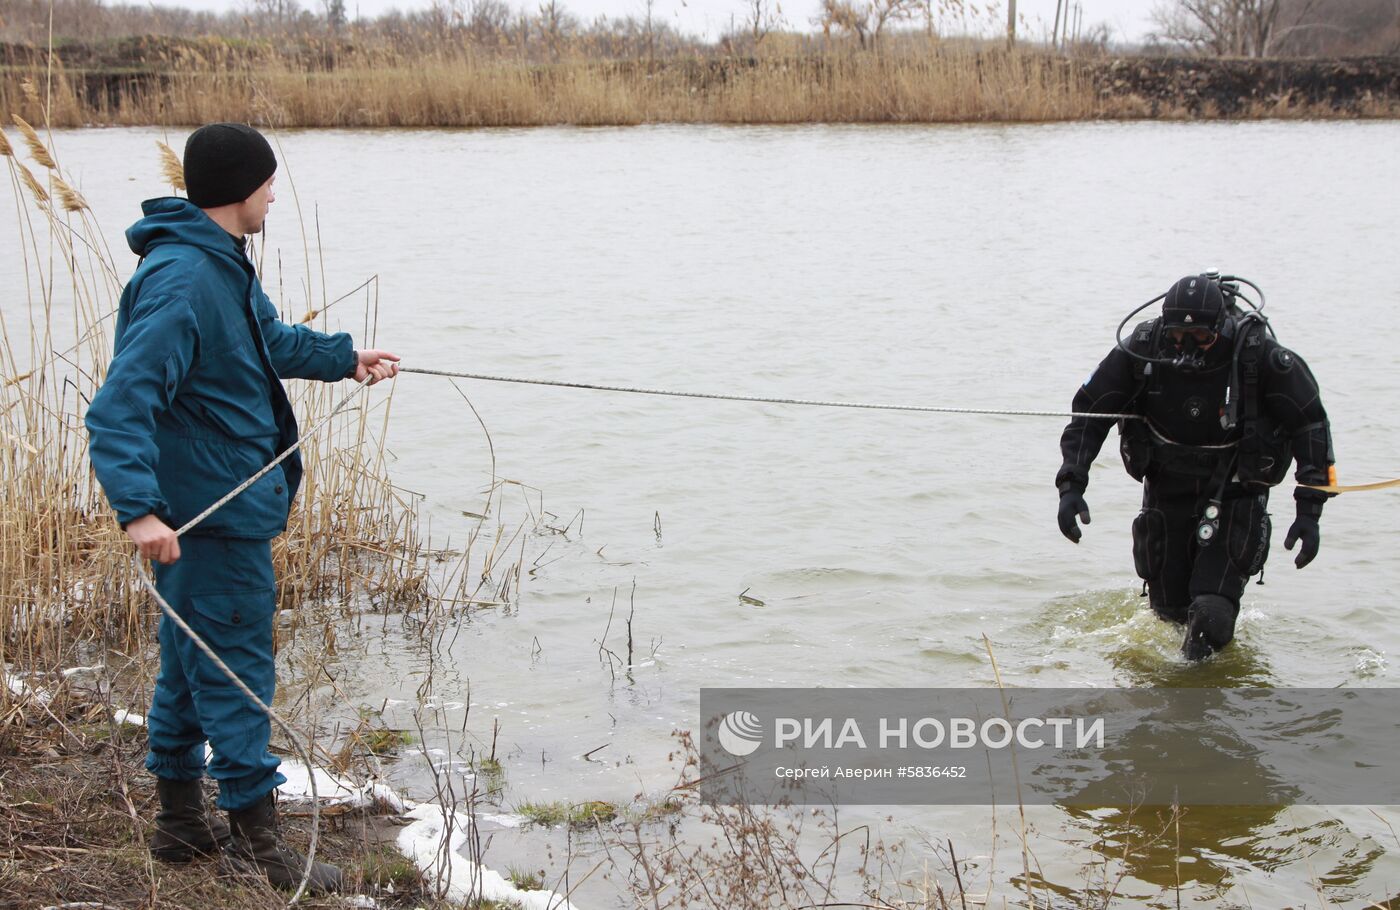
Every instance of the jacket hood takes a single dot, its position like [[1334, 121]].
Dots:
[[171, 219]]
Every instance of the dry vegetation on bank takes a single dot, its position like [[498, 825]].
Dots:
[[76, 809], [468, 63], [946, 83]]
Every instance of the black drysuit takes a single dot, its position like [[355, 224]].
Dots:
[[1178, 451]]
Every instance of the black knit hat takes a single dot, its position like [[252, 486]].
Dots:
[[1193, 302], [225, 163]]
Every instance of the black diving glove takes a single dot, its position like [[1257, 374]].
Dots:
[[1072, 504], [1305, 529]]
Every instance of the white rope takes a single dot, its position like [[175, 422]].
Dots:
[[715, 396], [144, 576], [149, 583]]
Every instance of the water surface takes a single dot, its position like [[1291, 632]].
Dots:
[[961, 265]]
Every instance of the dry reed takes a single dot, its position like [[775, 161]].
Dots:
[[456, 90], [36, 189], [69, 198], [37, 150], [917, 80], [171, 168]]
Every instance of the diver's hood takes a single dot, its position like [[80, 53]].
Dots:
[[1194, 302]]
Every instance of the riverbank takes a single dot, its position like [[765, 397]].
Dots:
[[170, 82], [76, 810], [73, 788]]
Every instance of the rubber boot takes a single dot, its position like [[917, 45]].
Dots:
[[1209, 627], [257, 849], [184, 826]]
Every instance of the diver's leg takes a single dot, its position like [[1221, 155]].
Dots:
[[1162, 553], [1221, 571]]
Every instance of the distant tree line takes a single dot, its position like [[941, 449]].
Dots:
[[536, 26], [548, 29]]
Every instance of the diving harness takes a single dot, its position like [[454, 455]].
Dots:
[[1259, 458]]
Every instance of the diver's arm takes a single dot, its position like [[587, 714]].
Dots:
[[1108, 390], [1292, 398]]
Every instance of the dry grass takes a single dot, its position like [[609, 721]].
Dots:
[[76, 809], [382, 88], [915, 80], [370, 86]]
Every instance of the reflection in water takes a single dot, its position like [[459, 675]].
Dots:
[[1204, 851], [1162, 856]]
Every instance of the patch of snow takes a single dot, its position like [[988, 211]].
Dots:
[[434, 829], [22, 689], [123, 716]]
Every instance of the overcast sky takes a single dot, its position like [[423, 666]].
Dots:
[[1127, 18]]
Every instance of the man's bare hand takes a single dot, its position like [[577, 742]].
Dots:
[[155, 539], [375, 364]]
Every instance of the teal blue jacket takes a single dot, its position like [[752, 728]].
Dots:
[[193, 402]]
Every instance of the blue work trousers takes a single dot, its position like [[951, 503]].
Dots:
[[224, 588]]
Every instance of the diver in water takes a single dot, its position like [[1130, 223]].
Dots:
[[1224, 409]]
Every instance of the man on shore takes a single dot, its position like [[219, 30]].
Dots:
[[193, 405], [1224, 409]]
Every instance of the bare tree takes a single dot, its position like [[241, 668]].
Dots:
[[1227, 28], [865, 20], [883, 12], [335, 14], [488, 21], [650, 6], [274, 12], [842, 16], [556, 25], [760, 18], [443, 17], [1336, 27]]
